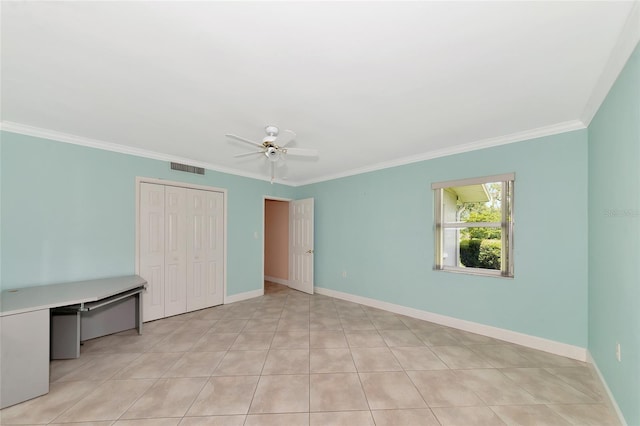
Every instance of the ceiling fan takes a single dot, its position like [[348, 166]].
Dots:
[[274, 147]]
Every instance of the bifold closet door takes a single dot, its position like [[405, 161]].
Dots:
[[204, 249], [175, 254], [152, 265]]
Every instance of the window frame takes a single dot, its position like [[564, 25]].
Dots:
[[506, 225]]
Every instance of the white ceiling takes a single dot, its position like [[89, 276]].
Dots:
[[368, 84]]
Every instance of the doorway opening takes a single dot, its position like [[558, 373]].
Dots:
[[276, 241]]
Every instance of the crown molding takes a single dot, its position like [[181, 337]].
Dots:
[[539, 132], [38, 132], [553, 129], [627, 42]]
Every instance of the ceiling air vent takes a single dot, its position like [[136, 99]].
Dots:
[[187, 168]]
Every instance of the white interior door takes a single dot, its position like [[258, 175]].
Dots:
[[205, 259], [152, 200], [175, 295], [301, 245]]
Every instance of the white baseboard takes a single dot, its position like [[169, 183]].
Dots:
[[243, 296], [277, 280], [612, 401], [551, 346]]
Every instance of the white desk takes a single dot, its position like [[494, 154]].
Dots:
[[25, 328]]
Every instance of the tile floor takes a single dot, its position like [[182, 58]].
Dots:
[[288, 358]]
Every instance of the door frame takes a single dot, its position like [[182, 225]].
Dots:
[[264, 230], [142, 179]]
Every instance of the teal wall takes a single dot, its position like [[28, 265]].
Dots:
[[378, 227], [68, 213], [614, 238]]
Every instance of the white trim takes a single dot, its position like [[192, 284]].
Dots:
[[612, 401], [551, 346], [243, 296], [526, 135], [277, 280], [142, 179], [474, 181], [627, 42], [53, 135]]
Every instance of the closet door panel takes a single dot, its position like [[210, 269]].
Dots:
[[204, 249], [152, 248], [215, 250], [175, 251]]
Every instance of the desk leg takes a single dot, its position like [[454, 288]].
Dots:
[[139, 312]]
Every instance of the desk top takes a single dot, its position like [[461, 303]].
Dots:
[[29, 299]]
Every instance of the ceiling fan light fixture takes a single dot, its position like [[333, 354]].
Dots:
[[272, 153]]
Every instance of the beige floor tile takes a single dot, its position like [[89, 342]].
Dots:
[[467, 416], [365, 339], [46, 408], [118, 343], [587, 414], [415, 417], [545, 386], [224, 396], [147, 422], [252, 341], [107, 402], [325, 323], [241, 363], [161, 327], [374, 359], [529, 415], [327, 339], [501, 356], [287, 361], [400, 338], [357, 324], [281, 394], [467, 338], [293, 324], [62, 367], [288, 419], [290, 340], [195, 364], [166, 398], [99, 367], [149, 365], [390, 390], [344, 418], [336, 392], [213, 421], [388, 323], [229, 326], [582, 379], [261, 324], [437, 336], [418, 358], [105, 423], [180, 341], [215, 342], [460, 357], [544, 359], [494, 388], [443, 389], [331, 361]]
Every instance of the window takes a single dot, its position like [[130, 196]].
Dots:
[[474, 225]]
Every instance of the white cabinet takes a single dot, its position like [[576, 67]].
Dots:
[[181, 250]]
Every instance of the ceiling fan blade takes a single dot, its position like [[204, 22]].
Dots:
[[302, 152], [285, 138], [238, 138], [248, 153]]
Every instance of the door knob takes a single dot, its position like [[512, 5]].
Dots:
[[310, 251]]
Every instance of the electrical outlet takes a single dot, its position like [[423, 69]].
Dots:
[[618, 353], [344, 274]]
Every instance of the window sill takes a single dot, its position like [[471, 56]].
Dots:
[[474, 271]]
